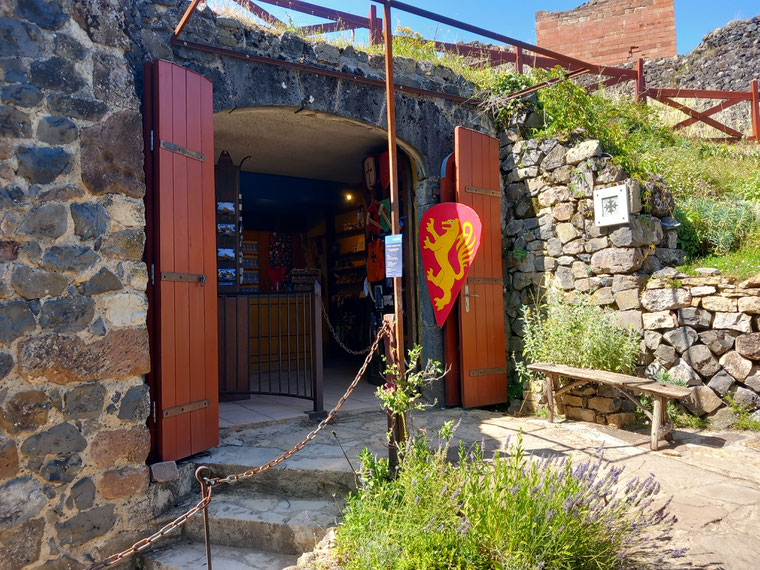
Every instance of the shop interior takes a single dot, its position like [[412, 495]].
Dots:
[[302, 201]]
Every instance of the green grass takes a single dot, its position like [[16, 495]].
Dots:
[[744, 420], [740, 264]]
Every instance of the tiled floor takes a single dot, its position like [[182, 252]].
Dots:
[[268, 408]]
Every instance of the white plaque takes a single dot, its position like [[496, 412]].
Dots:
[[611, 206]]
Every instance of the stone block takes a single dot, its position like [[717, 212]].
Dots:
[[21, 546], [583, 151], [621, 419], [63, 469], [90, 219], [8, 459], [702, 400], [749, 305], [694, 317], [563, 211], [164, 472], [703, 291], [582, 414], [736, 365], [16, 320], [25, 411], [652, 339], [666, 355], [42, 165], [566, 232], [573, 247], [605, 405], [681, 338], [627, 299], [746, 397], [66, 314], [665, 299], [616, 260], [733, 321], [83, 493], [63, 359], [104, 281], [46, 221], [76, 258], [602, 296], [56, 130], [571, 400], [109, 448], [718, 303], [124, 482], [596, 244], [112, 160], [625, 282], [62, 438], [702, 360], [721, 383], [564, 277], [86, 525], [685, 373], [84, 402], [718, 341], [629, 319], [125, 244], [124, 309], [37, 283], [748, 345]]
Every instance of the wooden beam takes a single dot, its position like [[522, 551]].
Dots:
[[185, 18], [707, 113], [699, 94], [755, 102], [641, 82], [327, 28], [260, 12], [700, 117]]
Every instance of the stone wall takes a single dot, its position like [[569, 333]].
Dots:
[[702, 330], [73, 339], [610, 31], [705, 332]]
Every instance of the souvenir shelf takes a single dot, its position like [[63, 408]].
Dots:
[[249, 265], [228, 222]]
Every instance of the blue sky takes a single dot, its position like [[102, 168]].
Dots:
[[516, 18]]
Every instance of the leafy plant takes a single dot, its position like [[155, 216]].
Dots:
[[512, 512], [504, 108], [715, 226], [744, 419], [577, 334]]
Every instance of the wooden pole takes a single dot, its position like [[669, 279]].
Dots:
[[755, 102], [390, 104], [641, 83]]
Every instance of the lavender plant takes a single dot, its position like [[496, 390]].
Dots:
[[513, 512]]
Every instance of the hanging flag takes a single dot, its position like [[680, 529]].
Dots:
[[449, 240]]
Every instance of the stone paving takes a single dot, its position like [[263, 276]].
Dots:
[[713, 477]]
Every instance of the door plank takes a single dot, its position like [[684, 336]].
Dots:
[[482, 332]]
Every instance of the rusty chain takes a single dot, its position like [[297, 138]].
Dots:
[[208, 483], [334, 334]]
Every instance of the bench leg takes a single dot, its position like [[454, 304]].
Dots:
[[659, 407], [550, 397]]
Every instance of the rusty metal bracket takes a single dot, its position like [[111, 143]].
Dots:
[[181, 150], [484, 191], [485, 280], [184, 277], [486, 371], [184, 408]]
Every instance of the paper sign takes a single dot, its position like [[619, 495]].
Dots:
[[449, 240], [393, 255]]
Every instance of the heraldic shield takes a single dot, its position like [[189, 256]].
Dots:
[[449, 240]]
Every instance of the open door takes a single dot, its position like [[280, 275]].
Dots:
[[482, 334], [182, 255]]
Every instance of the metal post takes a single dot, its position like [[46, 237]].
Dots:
[[641, 83], [317, 380], [393, 166], [755, 102], [375, 32]]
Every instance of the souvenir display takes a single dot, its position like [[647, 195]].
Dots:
[[376, 260], [225, 208], [370, 172], [226, 275], [249, 263], [226, 230], [227, 254]]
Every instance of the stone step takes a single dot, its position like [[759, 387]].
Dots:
[[187, 554], [266, 522]]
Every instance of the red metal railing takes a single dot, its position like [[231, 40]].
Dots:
[[519, 53]]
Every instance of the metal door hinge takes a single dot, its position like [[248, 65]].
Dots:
[[152, 274], [154, 413], [151, 140]]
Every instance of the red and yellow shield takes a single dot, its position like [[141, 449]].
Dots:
[[449, 240]]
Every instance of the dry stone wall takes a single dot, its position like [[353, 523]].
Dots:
[[691, 325]]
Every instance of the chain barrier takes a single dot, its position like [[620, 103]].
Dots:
[[335, 334], [208, 483]]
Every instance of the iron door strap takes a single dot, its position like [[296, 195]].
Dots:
[[181, 150], [487, 371], [184, 408], [184, 277], [483, 191]]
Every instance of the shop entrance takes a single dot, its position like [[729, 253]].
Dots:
[[302, 208]]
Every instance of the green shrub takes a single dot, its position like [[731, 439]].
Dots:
[[715, 226], [512, 512], [744, 419], [576, 334]]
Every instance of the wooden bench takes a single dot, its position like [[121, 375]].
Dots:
[[661, 424]]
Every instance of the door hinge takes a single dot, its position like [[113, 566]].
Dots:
[[154, 413], [151, 140], [152, 274]]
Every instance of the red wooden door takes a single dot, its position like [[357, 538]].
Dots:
[[481, 308], [184, 257]]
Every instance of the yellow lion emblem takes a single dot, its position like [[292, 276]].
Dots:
[[452, 237]]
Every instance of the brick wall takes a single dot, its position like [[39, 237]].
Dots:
[[610, 31]]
